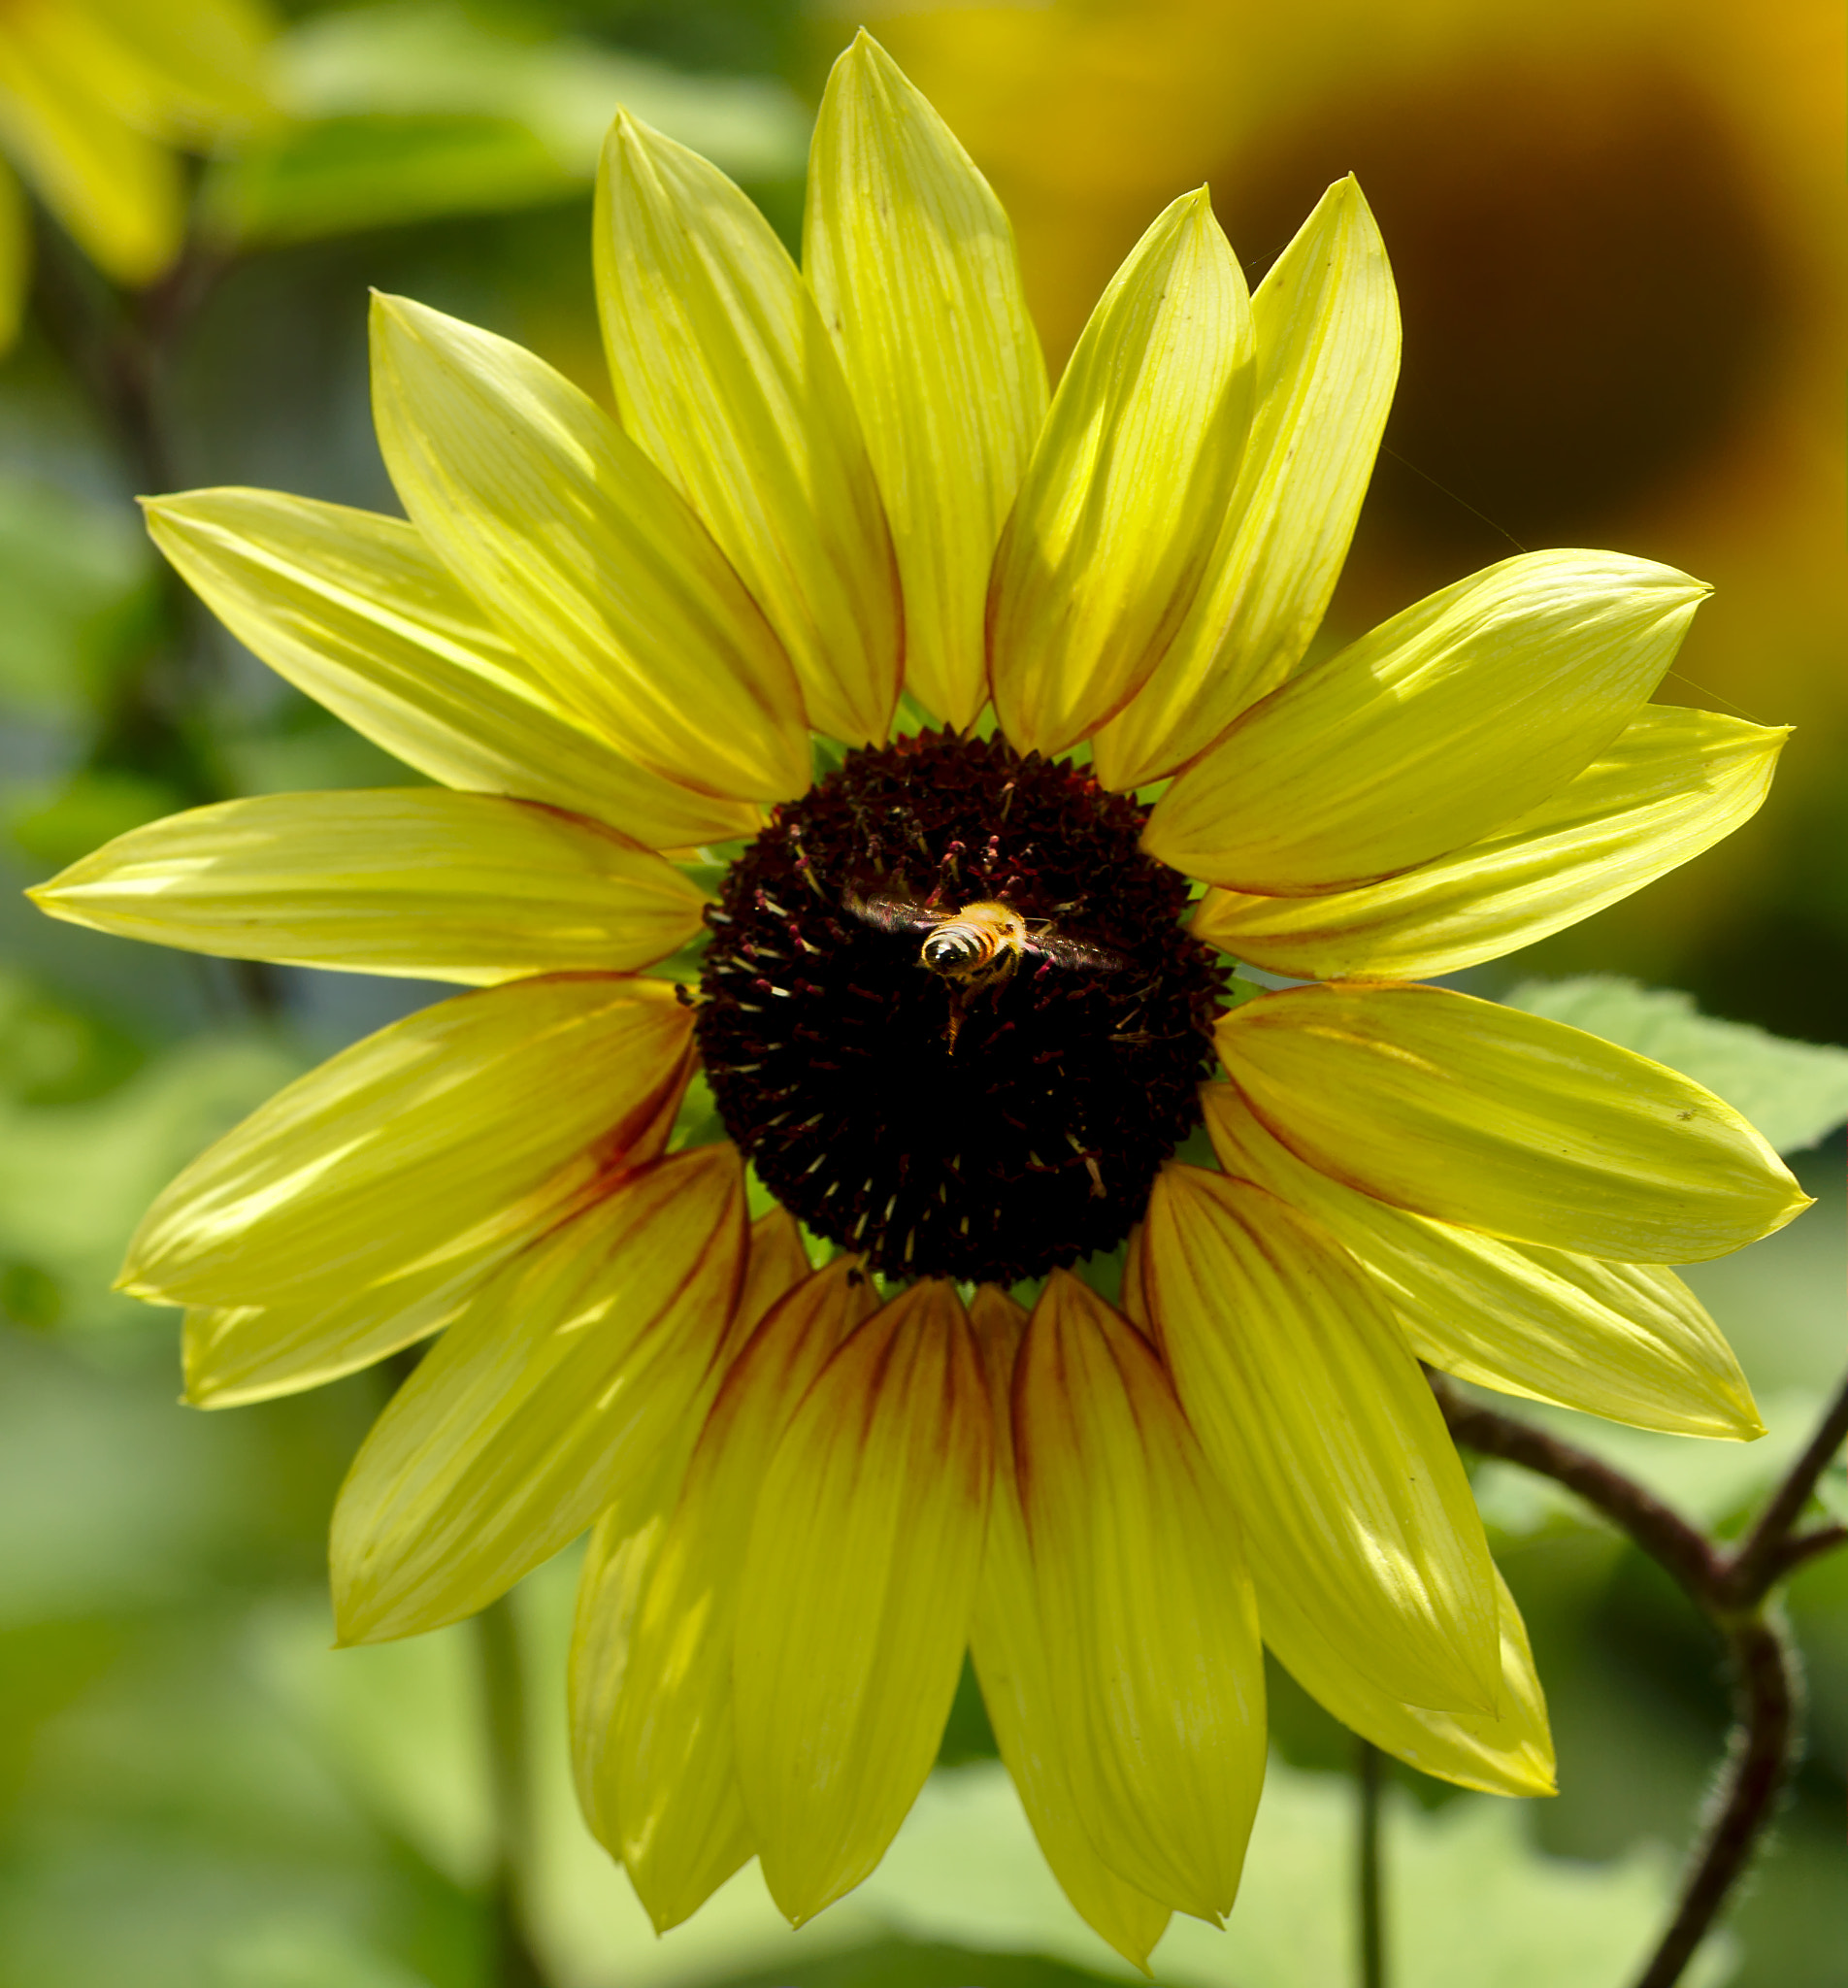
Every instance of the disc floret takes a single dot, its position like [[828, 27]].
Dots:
[[950, 1013]]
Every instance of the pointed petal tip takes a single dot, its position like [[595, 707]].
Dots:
[[865, 60], [387, 312], [663, 1916], [633, 135]]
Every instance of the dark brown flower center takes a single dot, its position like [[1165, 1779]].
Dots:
[[950, 1012]]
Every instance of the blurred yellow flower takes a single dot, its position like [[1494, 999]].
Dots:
[[95, 96], [957, 1010]]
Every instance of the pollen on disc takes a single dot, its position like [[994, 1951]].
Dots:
[[985, 1126]]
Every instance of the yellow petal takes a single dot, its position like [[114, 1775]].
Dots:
[[191, 70], [418, 882], [1498, 1120], [241, 1353], [1446, 722], [116, 189], [854, 1604], [16, 255], [1315, 1413], [449, 1121], [573, 1376], [1629, 1341], [914, 266], [663, 1767], [1147, 1628], [726, 375], [1132, 1299], [1007, 1644], [776, 1263], [619, 1558], [1325, 324], [1127, 490], [585, 556], [1509, 1752], [1671, 786], [250, 1354], [354, 610]]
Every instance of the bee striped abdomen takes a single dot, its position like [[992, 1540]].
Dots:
[[981, 943]]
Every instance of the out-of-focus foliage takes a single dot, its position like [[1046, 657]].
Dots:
[[96, 97], [1796, 1093], [195, 1791], [410, 111]]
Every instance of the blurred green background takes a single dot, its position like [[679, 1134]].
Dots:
[[1617, 232]]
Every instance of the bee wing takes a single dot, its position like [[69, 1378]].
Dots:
[[1068, 952], [891, 913]]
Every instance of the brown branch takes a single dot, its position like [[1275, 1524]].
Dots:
[[1659, 1530], [1759, 1756], [1762, 1559], [1729, 1589], [1805, 1547]]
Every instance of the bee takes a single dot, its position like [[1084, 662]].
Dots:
[[977, 946]]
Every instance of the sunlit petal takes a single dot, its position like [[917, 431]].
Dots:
[[858, 1585], [1325, 323], [584, 555], [436, 1112], [1149, 1633], [411, 881], [1629, 1341], [1007, 1642], [355, 609], [726, 375], [1449, 720], [1671, 786], [575, 1373], [1315, 1413], [1508, 1751], [1124, 497], [1498, 1121], [912, 262], [663, 1768]]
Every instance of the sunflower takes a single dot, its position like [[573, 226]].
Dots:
[[94, 94], [830, 748]]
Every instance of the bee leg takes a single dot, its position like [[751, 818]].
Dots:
[[954, 1027]]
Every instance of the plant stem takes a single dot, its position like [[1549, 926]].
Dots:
[[509, 1768], [1766, 1553], [1370, 1771], [1759, 1755], [1731, 1590]]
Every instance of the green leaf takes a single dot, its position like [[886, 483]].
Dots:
[[94, 806], [1796, 1093], [1473, 1901], [345, 174], [1707, 1482], [75, 573], [414, 111], [75, 1178]]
